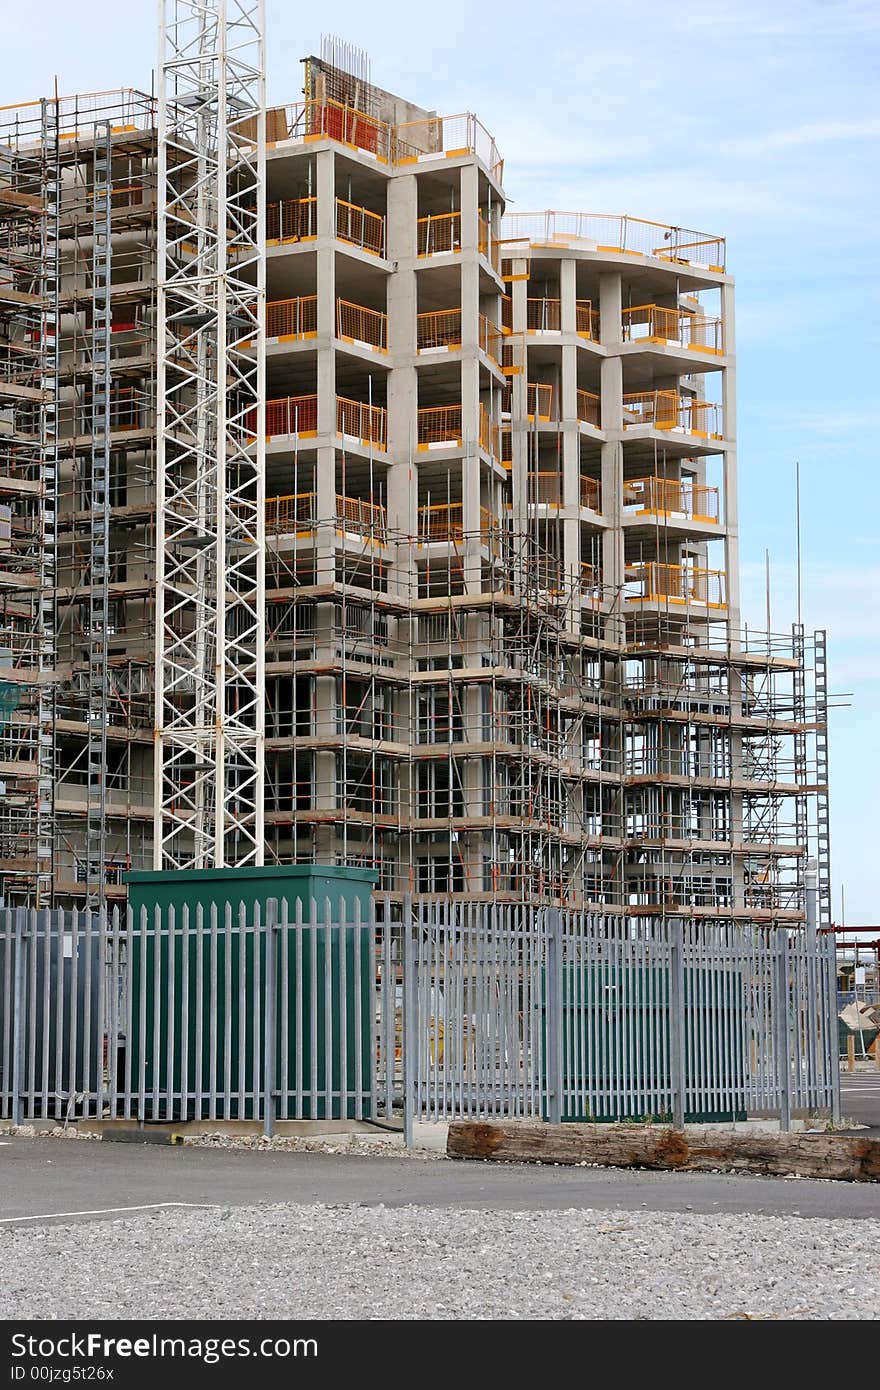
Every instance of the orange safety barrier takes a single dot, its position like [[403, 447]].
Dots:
[[360, 227], [442, 522], [590, 493], [506, 445], [439, 425], [666, 410], [292, 318], [292, 514], [439, 233], [506, 314], [446, 137], [357, 324], [516, 259], [333, 121], [488, 247], [364, 518], [545, 488], [490, 439], [438, 329], [587, 320], [293, 219], [490, 339], [513, 354], [677, 584], [289, 415], [618, 235], [543, 315], [672, 496], [589, 409], [368, 423], [653, 323], [540, 400]]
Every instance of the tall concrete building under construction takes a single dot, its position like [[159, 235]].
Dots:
[[469, 519]]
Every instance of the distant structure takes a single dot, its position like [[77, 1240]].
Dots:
[[463, 601]]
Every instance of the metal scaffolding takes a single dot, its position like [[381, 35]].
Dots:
[[210, 507]]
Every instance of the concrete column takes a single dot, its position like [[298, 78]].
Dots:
[[731, 504], [612, 451], [470, 373], [402, 379], [325, 470]]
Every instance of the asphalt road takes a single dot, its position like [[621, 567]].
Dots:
[[50, 1180], [860, 1097]]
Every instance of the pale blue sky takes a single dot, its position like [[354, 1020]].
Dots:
[[753, 120]]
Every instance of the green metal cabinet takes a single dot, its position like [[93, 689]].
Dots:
[[199, 999]]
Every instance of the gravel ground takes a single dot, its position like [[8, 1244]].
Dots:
[[411, 1262]]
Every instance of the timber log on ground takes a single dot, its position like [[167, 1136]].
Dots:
[[698, 1150]]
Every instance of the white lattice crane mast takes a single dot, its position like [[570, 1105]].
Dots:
[[210, 522]]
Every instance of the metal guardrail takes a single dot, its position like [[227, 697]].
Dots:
[[458, 1009]]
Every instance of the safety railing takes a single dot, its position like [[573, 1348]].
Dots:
[[130, 408], [360, 227], [290, 515], [487, 245], [546, 489], [439, 233], [439, 425], [362, 518], [436, 137], [653, 323], [650, 581], [292, 318], [330, 120], [603, 232], [539, 401], [666, 410], [506, 314], [513, 354], [489, 434], [447, 137], [587, 320], [543, 315], [356, 420], [490, 339], [589, 409], [506, 439], [292, 219], [516, 259], [441, 328], [357, 324], [288, 415], [590, 493], [671, 497], [442, 523]]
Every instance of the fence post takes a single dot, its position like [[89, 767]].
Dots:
[[407, 1022], [553, 924], [269, 1018], [17, 1014], [676, 1021], [783, 1049], [829, 969]]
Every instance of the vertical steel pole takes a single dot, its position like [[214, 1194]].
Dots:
[[408, 1020], [269, 1017], [18, 1014], [676, 1021], [783, 1051], [553, 924]]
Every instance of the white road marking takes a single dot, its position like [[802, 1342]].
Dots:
[[104, 1211]]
